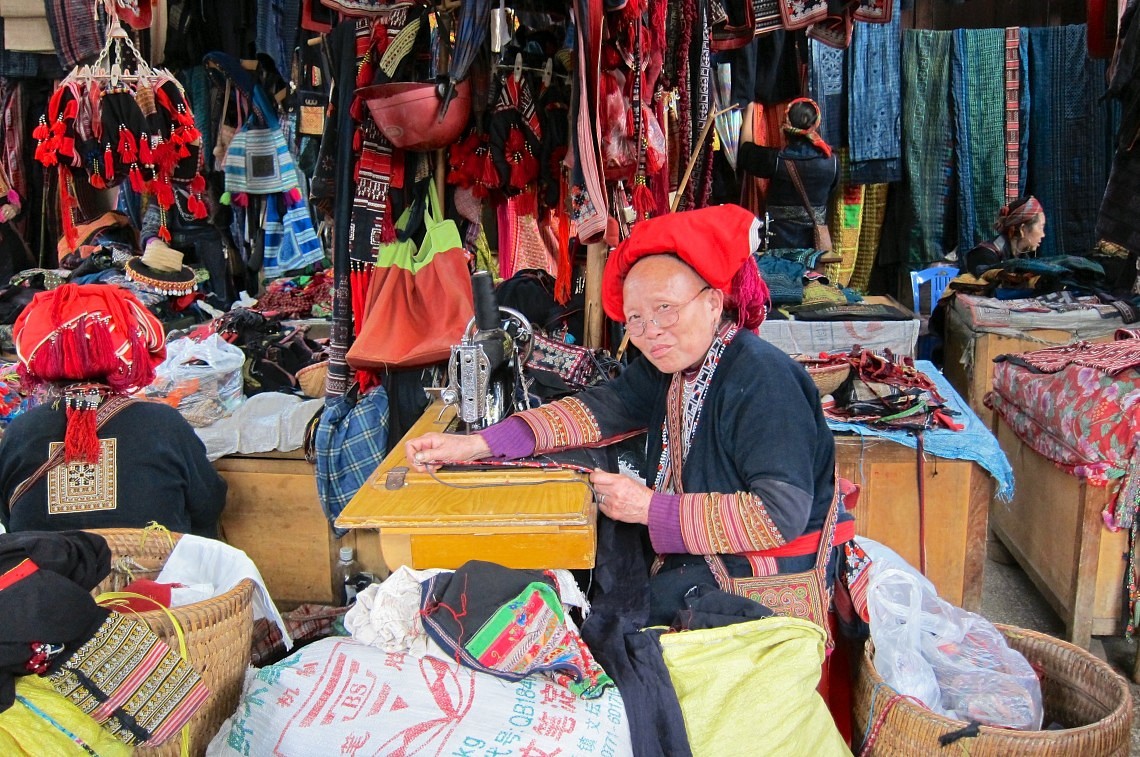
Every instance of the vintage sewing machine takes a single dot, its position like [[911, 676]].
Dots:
[[520, 517]]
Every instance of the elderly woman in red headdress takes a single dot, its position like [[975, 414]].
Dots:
[[740, 470], [803, 174], [95, 457], [1021, 228]]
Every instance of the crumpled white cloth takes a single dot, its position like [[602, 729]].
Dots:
[[197, 560], [387, 615]]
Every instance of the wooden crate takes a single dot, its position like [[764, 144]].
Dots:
[[957, 494], [1054, 529], [273, 514], [968, 355], [520, 518]]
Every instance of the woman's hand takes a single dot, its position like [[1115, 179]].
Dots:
[[425, 452], [621, 497], [8, 212]]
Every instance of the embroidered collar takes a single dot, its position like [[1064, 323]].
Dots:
[[683, 412]]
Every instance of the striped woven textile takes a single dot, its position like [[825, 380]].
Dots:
[[78, 38], [927, 144], [1070, 136], [845, 221], [870, 232], [874, 124], [978, 86], [1013, 64]]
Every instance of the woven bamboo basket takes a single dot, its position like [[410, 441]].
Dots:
[[1080, 692], [218, 631], [827, 376]]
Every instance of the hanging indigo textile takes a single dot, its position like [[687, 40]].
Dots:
[[1119, 223], [826, 88], [927, 144], [1070, 137], [874, 117]]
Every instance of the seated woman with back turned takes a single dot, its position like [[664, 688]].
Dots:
[[94, 457], [740, 461]]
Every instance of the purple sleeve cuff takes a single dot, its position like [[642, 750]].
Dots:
[[665, 524], [509, 439]]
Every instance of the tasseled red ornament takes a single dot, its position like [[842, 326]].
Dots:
[[749, 296], [198, 183], [81, 439], [526, 203], [108, 163], [163, 191], [67, 207], [164, 233], [136, 178], [41, 131], [387, 224], [128, 146], [644, 204], [146, 153], [195, 205], [293, 197], [97, 181], [563, 283], [241, 199]]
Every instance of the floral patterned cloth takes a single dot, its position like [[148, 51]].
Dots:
[[1084, 420]]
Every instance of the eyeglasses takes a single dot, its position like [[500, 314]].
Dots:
[[664, 316]]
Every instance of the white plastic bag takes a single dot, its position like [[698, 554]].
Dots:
[[202, 380], [956, 662]]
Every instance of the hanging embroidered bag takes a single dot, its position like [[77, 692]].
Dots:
[[419, 301], [796, 595]]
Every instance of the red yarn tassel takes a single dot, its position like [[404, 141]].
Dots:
[[387, 225], [137, 183], [749, 296], [146, 154], [81, 440], [108, 163], [198, 183], [526, 203], [164, 233], [563, 282], [128, 147], [644, 203]]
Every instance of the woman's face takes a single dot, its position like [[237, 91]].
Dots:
[[660, 288], [1033, 233]]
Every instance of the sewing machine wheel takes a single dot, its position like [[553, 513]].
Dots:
[[517, 325]]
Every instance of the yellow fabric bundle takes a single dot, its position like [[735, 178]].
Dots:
[[27, 726], [752, 686]]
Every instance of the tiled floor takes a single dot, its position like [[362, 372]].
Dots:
[[1010, 597]]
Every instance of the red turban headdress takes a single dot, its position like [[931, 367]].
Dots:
[[716, 242], [92, 332], [1015, 215]]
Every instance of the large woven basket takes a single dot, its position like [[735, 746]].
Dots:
[[218, 631], [1081, 692]]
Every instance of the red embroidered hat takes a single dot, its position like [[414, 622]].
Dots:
[[90, 332], [716, 242]]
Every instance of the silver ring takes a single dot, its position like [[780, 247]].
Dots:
[[601, 499]]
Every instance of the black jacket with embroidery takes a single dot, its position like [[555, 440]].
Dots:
[[153, 468]]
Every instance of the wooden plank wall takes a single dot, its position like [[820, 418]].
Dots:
[[988, 14]]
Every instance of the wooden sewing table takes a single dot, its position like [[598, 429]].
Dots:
[[517, 517]]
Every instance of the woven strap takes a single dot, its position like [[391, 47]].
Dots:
[[108, 410], [794, 174]]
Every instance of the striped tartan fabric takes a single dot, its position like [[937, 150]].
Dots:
[[351, 440]]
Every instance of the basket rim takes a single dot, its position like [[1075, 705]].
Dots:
[[1122, 709], [244, 586]]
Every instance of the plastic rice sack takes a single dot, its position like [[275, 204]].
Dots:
[[338, 696], [956, 662]]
